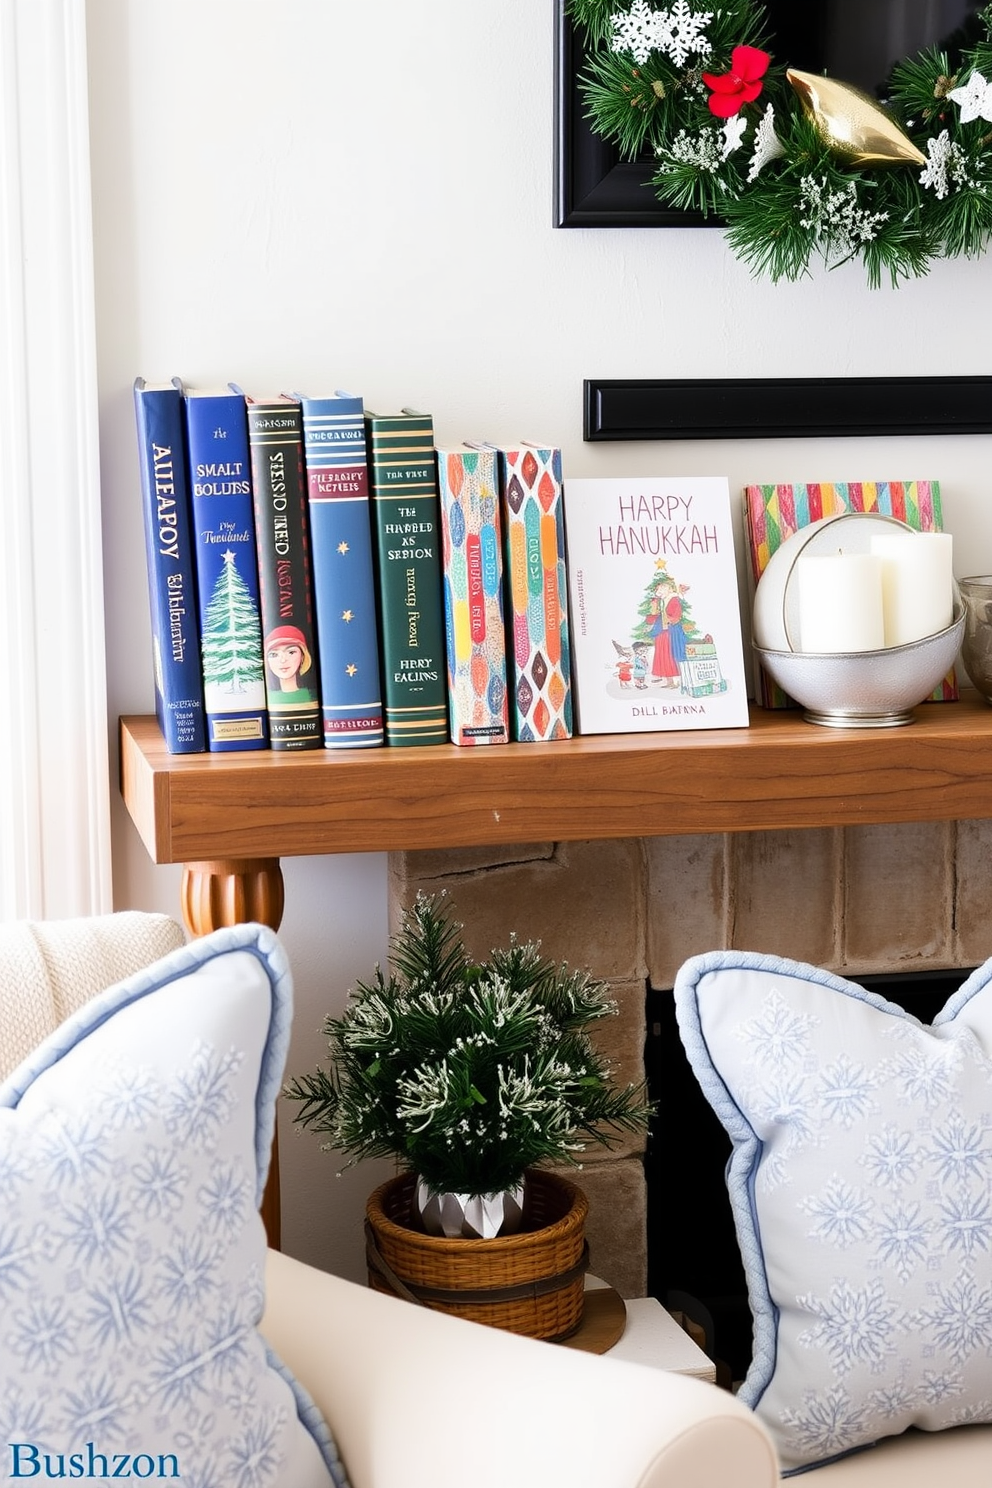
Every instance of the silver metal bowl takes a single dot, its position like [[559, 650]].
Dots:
[[866, 689]]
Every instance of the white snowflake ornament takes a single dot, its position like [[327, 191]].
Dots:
[[682, 32], [946, 166], [637, 31], [974, 99], [677, 32], [767, 145], [733, 132]]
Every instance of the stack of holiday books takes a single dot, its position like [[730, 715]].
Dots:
[[322, 576]]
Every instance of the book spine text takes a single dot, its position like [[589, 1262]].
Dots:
[[171, 569]]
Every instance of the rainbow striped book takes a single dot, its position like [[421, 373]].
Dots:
[[773, 513], [472, 572]]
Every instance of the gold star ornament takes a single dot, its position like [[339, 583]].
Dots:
[[852, 124]]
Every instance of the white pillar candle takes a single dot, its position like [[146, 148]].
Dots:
[[840, 602], [917, 584]]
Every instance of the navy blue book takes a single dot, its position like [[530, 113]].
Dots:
[[343, 575], [169, 555], [226, 569]]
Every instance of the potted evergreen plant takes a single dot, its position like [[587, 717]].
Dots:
[[471, 1075]]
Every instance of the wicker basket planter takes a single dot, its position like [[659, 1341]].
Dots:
[[531, 1282]]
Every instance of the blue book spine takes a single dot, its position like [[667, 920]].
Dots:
[[227, 570], [171, 571], [343, 573]]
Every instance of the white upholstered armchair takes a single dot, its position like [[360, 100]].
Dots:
[[413, 1399]]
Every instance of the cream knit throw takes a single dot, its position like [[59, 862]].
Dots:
[[49, 968]]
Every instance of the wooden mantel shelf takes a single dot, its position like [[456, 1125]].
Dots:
[[780, 772]]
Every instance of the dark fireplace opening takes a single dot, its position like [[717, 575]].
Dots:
[[694, 1264]]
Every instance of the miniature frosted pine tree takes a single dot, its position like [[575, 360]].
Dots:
[[232, 634], [468, 1074]]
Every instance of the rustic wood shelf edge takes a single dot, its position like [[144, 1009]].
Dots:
[[781, 772]]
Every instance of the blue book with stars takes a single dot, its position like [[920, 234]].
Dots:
[[344, 588]]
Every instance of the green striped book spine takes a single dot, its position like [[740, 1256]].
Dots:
[[403, 479]]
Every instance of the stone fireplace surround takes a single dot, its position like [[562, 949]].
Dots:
[[862, 900]]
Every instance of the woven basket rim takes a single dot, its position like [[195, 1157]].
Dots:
[[573, 1219]]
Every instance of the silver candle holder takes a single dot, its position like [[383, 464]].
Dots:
[[866, 689]]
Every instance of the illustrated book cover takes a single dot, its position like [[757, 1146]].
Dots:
[[337, 476], [773, 513], [472, 570], [226, 570], [171, 568], [539, 659], [282, 536], [406, 522], [656, 627]]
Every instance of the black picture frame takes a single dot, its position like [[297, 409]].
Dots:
[[593, 186], [783, 407]]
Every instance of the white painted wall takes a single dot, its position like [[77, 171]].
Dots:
[[317, 193]]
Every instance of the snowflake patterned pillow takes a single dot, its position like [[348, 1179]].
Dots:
[[134, 1145], [861, 1185]]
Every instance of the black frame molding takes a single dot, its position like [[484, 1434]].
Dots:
[[593, 186], [784, 407]]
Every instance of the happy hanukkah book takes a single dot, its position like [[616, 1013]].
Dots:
[[656, 626]]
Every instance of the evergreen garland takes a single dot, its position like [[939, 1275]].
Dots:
[[667, 80]]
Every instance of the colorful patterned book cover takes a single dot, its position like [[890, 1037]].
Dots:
[[774, 513], [282, 534], [656, 623], [406, 523], [158, 410], [226, 570], [539, 647], [343, 574], [472, 569]]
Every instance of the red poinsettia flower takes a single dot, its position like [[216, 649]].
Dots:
[[741, 85]]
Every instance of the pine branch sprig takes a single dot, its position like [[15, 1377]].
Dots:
[[628, 105]]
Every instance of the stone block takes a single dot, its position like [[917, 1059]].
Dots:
[[898, 902], [617, 1224], [686, 901], [973, 893], [583, 904], [621, 1041], [785, 893]]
